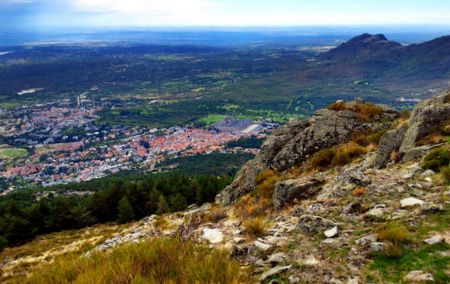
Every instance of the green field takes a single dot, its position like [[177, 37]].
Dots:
[[13, 153]]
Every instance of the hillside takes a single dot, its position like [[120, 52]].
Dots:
[[359, 193], [168, 85]]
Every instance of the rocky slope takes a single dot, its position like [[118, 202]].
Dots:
[[380, 218]]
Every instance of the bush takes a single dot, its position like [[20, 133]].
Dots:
[[161, 260], [394, 232], [323, 158], [436, 159], [445, 173], [376, 137], [341, 158], [368, 111], [255, 226], [339, 105]]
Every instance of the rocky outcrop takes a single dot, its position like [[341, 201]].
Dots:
[[427, 118], [293, 143], [296, 188]]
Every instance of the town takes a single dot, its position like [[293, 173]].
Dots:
[[66, 145]]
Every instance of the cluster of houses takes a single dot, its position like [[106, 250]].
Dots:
[[100, 152]]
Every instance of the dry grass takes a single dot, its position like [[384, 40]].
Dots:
[[255, 226], [45, 249], [162, 260], [337, 106], [359, 191], [368, 111], [394, 232]]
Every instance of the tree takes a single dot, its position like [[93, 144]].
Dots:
[[126, 213], [163, 206]]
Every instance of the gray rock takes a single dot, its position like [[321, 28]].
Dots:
[[375, 213], [262, 246], [412, 171], [430, 207], [410, 202], [389, 143], [276, 258], [310, 261], [435, 240], [287, 190], [418, 152], [311, 223], [427, 173], [367, 240], [331, 232], [426, 117], [293, 279], [274, 271], [419, 276], [292, 144], [377, 246]]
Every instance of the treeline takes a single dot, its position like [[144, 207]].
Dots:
[[244, 142], [22, 217]]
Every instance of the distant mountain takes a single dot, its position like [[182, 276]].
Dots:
[[375, 68], [364, 47]]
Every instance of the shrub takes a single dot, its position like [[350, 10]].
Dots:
[[255, 226], [161, 260], [405, 114], [355, 151], [360, 137], [436, 159], [342, 158], [445, 128], [359, 191], [339, 105], [445, 173], [323, 158], [376, 137], [394, 232], [368, 111], [265, 183]]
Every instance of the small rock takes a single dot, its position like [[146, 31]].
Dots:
[[419, 276], [239, 240], [293, 279], [427, 174], [214, 236], [435, 240], [410, 201], [412, 170], [377, 246], [276, 258], [274, 271], [331, 232], [310, 261], [375, 213], [399, 214], [262, 246], [430, 207], [367, 240], [353, 280]]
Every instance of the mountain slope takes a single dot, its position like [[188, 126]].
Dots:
[[313, 207]]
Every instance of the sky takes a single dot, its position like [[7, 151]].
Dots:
[[43, 14]]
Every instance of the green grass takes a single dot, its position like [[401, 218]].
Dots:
[[162, 260], [430, 259], [213, 118], [13, 153]]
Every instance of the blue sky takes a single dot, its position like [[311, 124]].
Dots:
[[40, 14]]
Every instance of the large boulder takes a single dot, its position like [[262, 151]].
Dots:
[[426, 118], [293, 143]]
